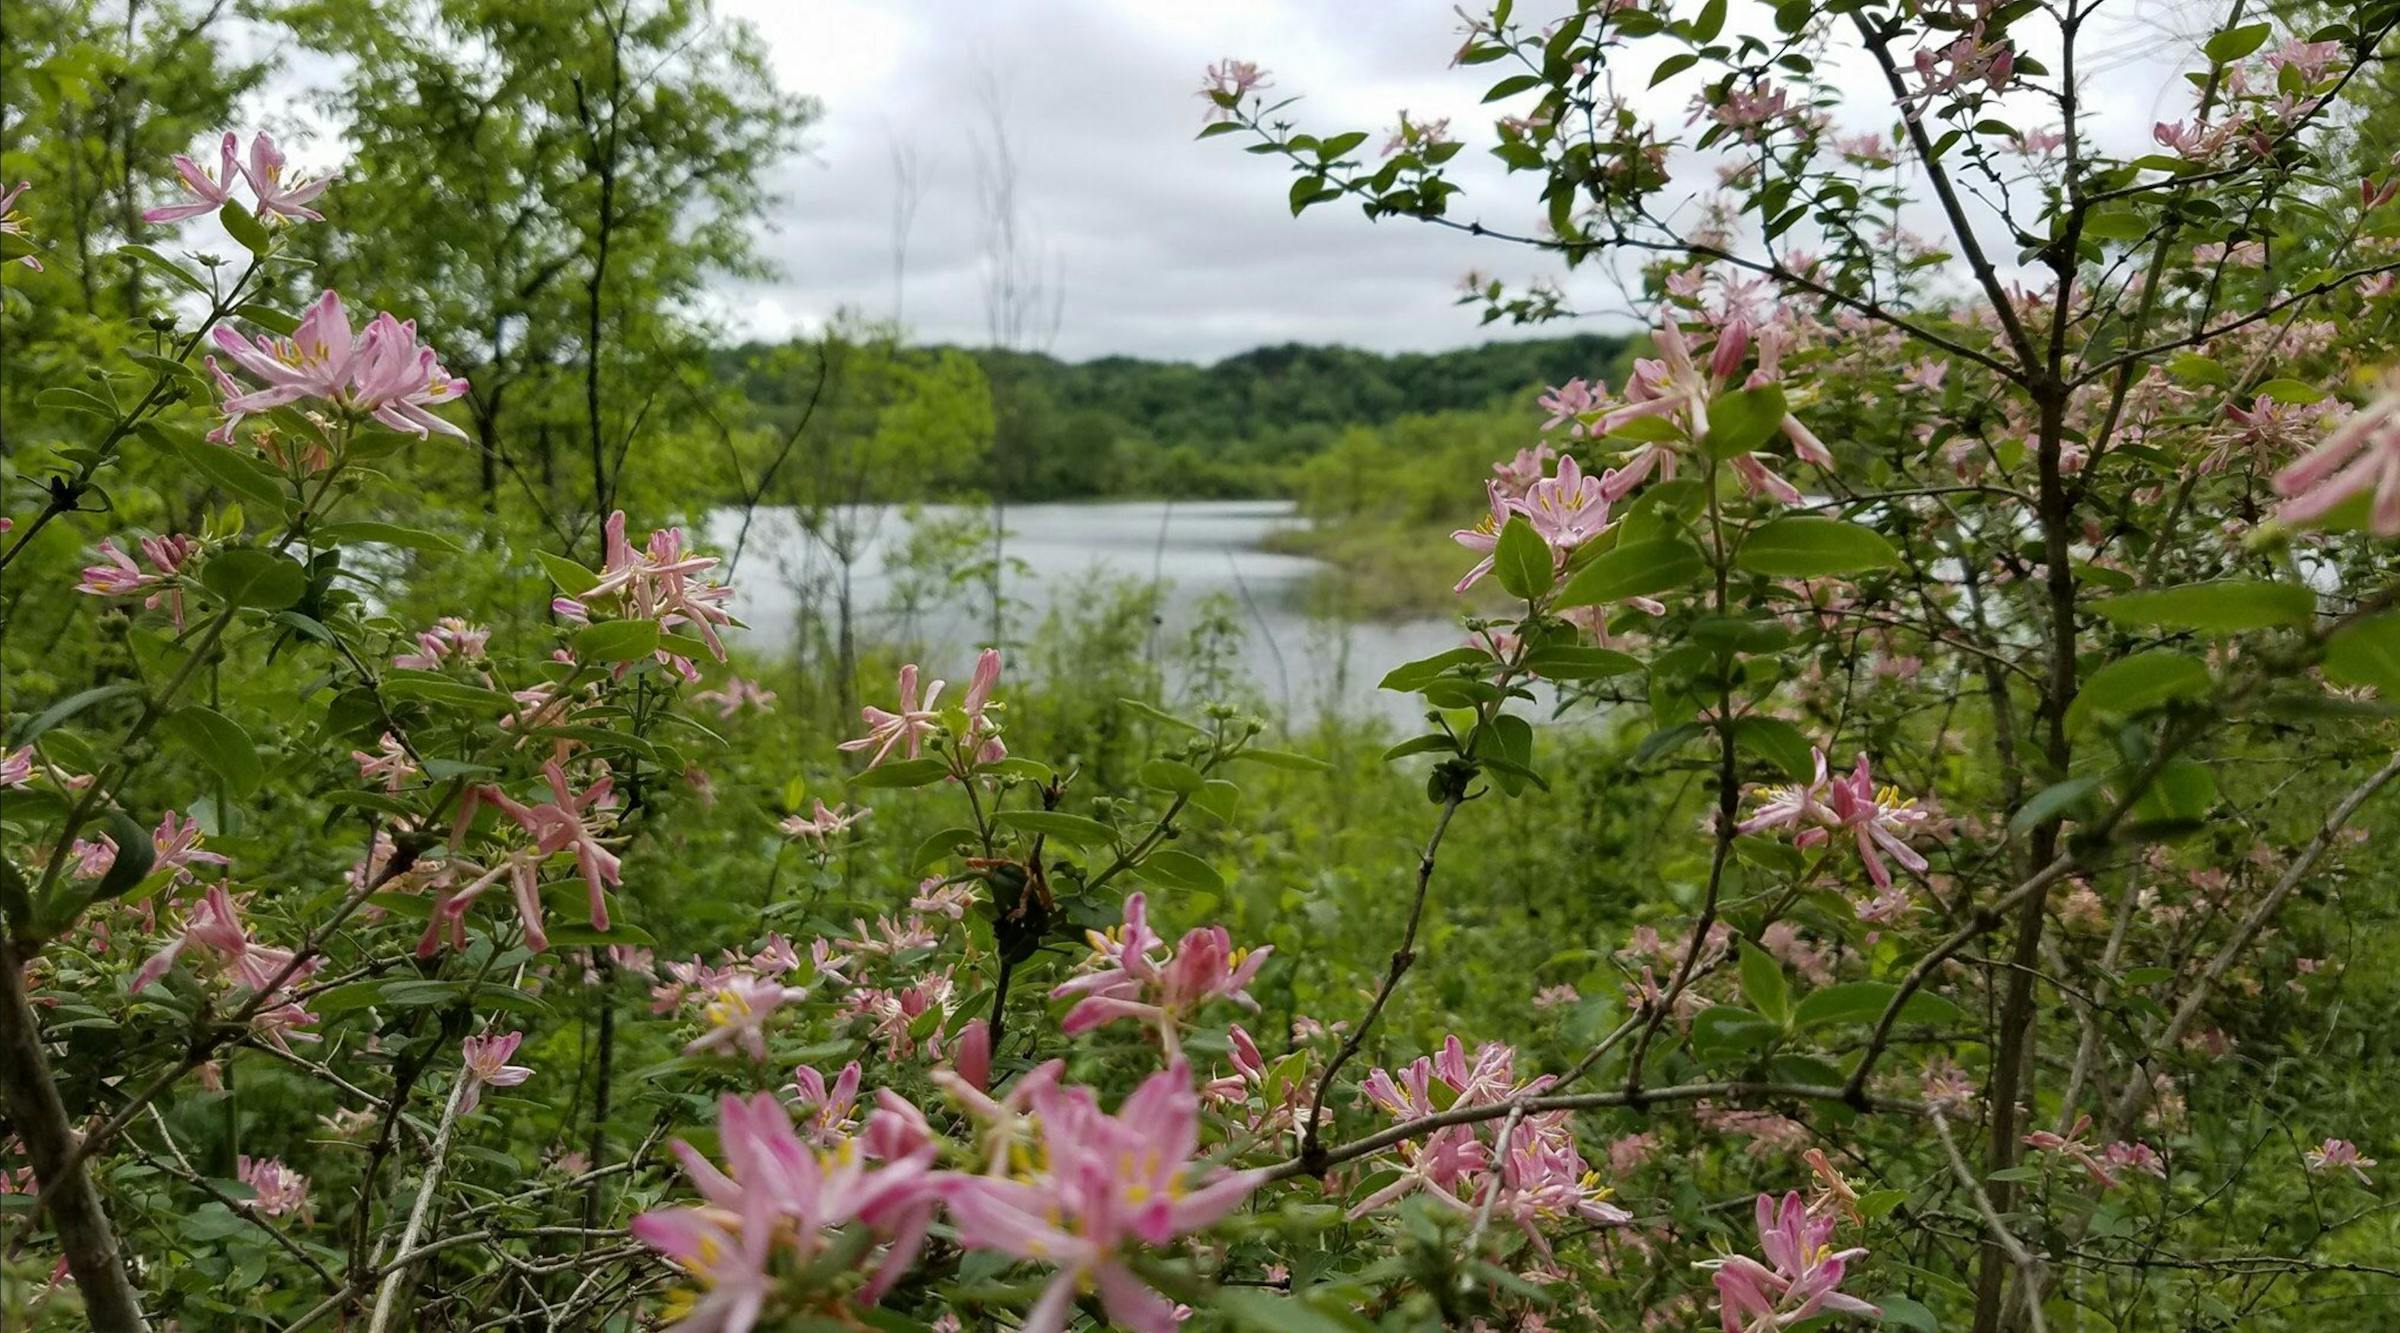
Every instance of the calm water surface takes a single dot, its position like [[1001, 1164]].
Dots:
[[1195, 551]]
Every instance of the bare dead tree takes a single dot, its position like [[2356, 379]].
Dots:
[[908, 191], [1024, 295]]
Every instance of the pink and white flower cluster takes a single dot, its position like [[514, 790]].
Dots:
[[382, 372], [1535, 1179], [1878, 818], [906, 728], [1133, 974], [1801, 1275], [1087, 1192], [278, 199], [661, 582]]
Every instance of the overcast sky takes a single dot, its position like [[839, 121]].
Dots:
[[1167, 247]]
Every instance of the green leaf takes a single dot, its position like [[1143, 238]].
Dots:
[[219, 742], [2367, 652], [1741, 421], [228, 469], [59, 712], [2182, 793], [1636, 570], [1806, 547], [1864, 1002], [2116, 224], [242, 227], [903, 773], [1179, 870], [2135, 684], [572, 579], [1264, 1311], [938, 848], [389, 534], [135, 855], [1219, 798], [1428, 743], [1568, 661], [1764, 986], [2232, 44], [246, 576], [269, 318], [616, 641], [1157, 714], [1171, 775], [1521, 560], [2052, 801], [2298, 392], [1726, 1029], [1285, 759], [1073, 830], [1779, 743], [1411, 677], [2224, 606], [1902, 1312], [153, 259]]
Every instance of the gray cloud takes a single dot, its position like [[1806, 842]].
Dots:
[[1170, 247]]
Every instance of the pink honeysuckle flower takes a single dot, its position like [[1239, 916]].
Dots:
[[16, 767], [278, 199], [904, 730], [1130, 979], [1568, 509], [727, 1253], [1518, 474], [778, 1194], [571, 822], [213, 931], [1484, 537], [736, 694], [825, 1108], [118, 576], [2104, 1165], [2311, 60], [1543, 1181], [662, 582], [1879, 818], [2341, 1154], [935, 897], [892, 1013], [1570, 402], [889, 938], [1228, 81], [1801, 1277], [209, 191], [981, 729], [2320, 480], [1105, 1185], [822, 822], [390, 765], [520, 866], [484, 1062], [451, 637], [383, 373], [12, 223], [280, 1190], [1799, 806], [175, 845], [737, 1016], [2129, 1155]]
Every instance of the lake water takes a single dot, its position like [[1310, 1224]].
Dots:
[[1199, 553]]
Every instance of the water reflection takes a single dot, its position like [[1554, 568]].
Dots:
[[1202, 555]]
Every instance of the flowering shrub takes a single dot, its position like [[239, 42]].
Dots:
[[2087, 559]]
